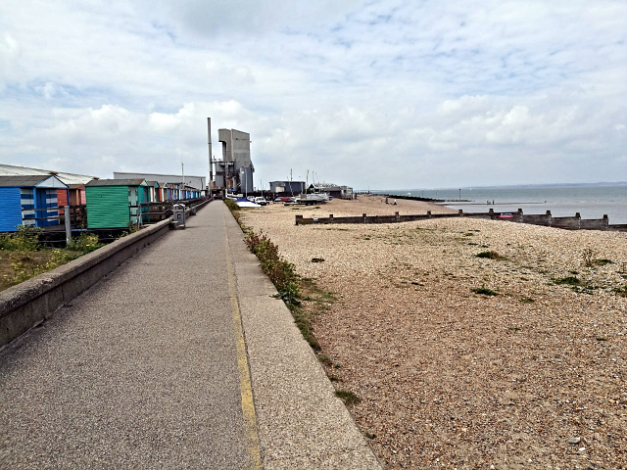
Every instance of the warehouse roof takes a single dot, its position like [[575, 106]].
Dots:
[[23, 181], [67, 178], [118, 182]]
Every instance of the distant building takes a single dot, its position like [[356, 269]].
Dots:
[[235, 170], [334, 190], [197, 182], [291, 187]]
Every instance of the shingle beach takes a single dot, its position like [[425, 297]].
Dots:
[[532, 377]]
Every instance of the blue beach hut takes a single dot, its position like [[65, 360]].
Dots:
[[29, 200]]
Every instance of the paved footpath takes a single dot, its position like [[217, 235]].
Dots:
[[181, 358]]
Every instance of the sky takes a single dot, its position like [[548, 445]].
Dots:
[[371, 94]]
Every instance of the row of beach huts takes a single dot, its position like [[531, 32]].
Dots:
[[38, 200]]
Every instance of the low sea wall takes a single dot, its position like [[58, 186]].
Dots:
[[30, 302], [546, 219]]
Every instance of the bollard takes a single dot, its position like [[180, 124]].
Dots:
[[68, 225]]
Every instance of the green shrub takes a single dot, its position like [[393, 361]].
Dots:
[[85, 242], [290, 293], [25, 239], [232, 205]]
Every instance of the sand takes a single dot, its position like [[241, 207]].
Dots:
[[533, 377]]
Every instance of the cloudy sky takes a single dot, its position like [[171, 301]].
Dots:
[[379, 94]]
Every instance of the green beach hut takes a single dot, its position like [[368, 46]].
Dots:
[[116, 203]]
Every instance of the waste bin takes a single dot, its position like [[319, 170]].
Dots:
[[178, 214]]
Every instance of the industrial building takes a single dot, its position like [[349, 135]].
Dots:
[[290, 187], [235, 170]]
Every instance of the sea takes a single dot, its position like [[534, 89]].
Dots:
[[591, 201]]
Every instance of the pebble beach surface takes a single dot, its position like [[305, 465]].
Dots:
[[534, 376]]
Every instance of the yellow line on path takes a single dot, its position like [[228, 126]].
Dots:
[[248, 405]]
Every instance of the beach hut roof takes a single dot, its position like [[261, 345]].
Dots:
[[118, 182], [31, 181]]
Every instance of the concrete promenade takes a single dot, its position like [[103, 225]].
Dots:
[[179, 359]]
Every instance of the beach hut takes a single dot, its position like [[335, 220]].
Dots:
[[63, 196], [29, 200], [77, 195], [116, 203], [153, 187]]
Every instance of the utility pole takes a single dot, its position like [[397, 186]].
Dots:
[[210, 162]]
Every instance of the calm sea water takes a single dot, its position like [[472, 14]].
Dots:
[[592, 202]]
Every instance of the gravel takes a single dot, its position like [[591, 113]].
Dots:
[[451, 378]]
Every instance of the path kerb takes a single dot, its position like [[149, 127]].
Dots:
[[301, 423]]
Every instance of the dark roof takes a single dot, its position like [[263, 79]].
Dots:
[[22, 181], [152, 183], [113, 182]]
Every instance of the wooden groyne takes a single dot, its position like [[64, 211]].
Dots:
[[546, 219]]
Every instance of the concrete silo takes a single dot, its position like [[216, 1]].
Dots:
[[236, 169]]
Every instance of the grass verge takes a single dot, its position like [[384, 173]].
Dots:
[[301, 295]]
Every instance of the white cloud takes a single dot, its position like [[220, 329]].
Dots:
[[383, 93]]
